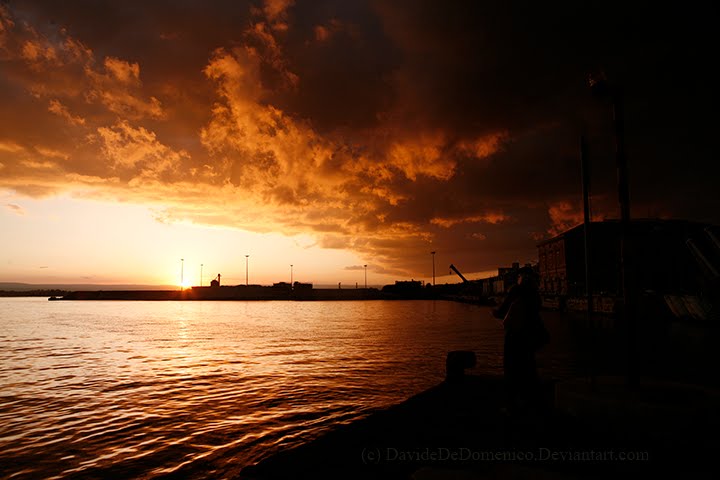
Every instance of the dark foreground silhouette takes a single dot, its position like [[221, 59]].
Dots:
[[524, 334], [458, 430]]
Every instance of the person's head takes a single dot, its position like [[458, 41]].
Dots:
[[527, 276]]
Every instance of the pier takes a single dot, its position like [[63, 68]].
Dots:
[[459, 429], [240, 292]]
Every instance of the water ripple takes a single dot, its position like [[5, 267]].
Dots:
[[156, 389]]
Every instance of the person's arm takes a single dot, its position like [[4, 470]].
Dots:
[[502, 310]]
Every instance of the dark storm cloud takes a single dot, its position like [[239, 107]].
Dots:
[[392, 128]]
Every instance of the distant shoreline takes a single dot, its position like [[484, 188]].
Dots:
[[32, 293], [252, 292]]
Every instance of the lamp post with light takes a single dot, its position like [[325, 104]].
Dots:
[[433, 263]]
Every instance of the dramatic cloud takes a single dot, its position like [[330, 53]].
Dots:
[[62, 111], [119, 87], [388, 128], [564, 215], [137, 149]]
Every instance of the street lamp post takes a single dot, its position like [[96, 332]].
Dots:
[[182, 280], [246, 270], [291, 276], [201, 266], [365, 276], [433, 258]]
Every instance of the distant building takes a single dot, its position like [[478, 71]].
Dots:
[[657, 252], [282, 287], [302, 287], [404, 287], [500, 283]]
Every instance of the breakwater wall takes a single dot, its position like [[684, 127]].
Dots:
[[251, 292]]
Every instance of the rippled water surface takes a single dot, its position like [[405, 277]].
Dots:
[[150, 389]]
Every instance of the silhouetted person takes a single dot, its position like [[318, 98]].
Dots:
[[524, 334]]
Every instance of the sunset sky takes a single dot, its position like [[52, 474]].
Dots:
[[334, 134]]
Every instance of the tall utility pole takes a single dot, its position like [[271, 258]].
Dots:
[[291, 275], [602, 88], [365, 275], [585, 173], [627, 279], [182, 280], [433, 260], [246, 270], [587, 220], [201, 265]]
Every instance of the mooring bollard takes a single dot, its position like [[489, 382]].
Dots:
[[456, 363]]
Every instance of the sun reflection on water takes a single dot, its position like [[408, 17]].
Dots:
[[148, 388]]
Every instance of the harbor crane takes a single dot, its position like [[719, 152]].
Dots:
[[452, 267]]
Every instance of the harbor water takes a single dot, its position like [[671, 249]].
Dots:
[[161, 389]]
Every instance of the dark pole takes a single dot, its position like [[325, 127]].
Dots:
[[585, 173], [246, 270], [626, 279], [602, 88], [433, 258], [622, 170], [365, 276]]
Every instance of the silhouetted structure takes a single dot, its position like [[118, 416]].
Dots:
[[404, 287], [457, 272], [501, 283], [215, 282], [302, 287], [456, 363], [662, 261]]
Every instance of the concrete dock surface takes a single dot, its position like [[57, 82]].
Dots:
[[576, 429]]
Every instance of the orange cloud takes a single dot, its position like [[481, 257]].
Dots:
[[45, 165], [38, 53], [21, 41], [62, 111], [51, 153], [119, 88], [122, 71], [491, 218], [564, 215], [6, 24], [261, 147], [137, 149], [74, 73], [322, 34], [325, 32], [423, 155], [276, 12], [10, 147], [484, 146]]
